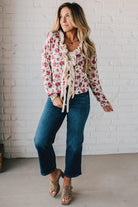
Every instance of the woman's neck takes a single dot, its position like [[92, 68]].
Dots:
[[71, 35]]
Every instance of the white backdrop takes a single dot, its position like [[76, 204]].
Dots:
[[23, 29]]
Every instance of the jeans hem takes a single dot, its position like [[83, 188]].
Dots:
[[72, 176], [44, 174]]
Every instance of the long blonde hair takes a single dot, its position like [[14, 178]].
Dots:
[[83, 30]]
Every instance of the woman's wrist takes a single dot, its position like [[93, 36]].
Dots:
[[53, 96]]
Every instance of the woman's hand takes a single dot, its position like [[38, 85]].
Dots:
[[57, 102], [108, 108]]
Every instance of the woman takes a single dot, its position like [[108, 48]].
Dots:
[[69, 68]]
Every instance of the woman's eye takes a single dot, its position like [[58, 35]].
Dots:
[[66, 16]]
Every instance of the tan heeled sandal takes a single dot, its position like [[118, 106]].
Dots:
[[66, 195], [54, 186]]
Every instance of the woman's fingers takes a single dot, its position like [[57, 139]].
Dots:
[[108, 108], [58, 102]]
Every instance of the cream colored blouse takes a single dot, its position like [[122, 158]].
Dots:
[[62, 68]]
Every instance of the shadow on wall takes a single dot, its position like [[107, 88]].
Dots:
[[8, 48]]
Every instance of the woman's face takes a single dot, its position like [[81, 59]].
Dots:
[[65, 19]]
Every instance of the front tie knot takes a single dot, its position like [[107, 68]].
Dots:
[[68, 75]]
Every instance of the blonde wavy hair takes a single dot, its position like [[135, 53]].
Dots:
[[83, 31]]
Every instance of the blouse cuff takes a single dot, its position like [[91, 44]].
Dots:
[[53, 96], [104, 103]]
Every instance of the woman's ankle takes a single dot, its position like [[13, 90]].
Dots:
[[67, 181], [53, 175]]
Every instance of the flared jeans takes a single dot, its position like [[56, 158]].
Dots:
[[50, 122]]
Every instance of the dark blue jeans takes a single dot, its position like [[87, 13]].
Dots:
[[49, 124]]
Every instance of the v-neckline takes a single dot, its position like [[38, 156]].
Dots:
[[65, 46]]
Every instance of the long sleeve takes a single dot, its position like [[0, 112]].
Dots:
[[46, 67], [95, 83]]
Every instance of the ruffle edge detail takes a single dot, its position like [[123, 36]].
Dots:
[[68, 74]]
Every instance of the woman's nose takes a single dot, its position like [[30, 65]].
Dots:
[[64, 19]]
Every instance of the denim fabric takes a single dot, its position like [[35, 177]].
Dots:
[[49, 124]]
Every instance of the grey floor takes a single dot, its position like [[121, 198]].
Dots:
[[106, 180]]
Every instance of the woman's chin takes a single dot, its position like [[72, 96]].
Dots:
[[65, 29]]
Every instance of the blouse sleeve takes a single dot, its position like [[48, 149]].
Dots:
[[95, 83], [46, 66]]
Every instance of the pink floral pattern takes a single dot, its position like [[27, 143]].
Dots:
[[52, 63]]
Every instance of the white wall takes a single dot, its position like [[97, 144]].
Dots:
[[114, 29]]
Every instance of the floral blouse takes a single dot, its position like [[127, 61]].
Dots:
[[62, 68]]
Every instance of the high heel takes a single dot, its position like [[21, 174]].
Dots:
[[54, 186], [66, 195]]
